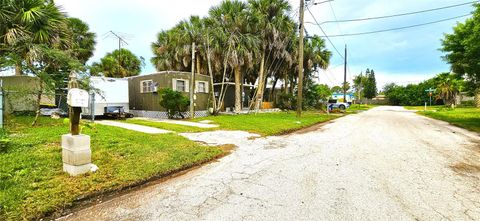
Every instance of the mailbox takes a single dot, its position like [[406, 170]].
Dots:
[[77, 98]]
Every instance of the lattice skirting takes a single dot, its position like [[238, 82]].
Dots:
[[163, 114]]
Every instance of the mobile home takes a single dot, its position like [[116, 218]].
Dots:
[[108, 93]]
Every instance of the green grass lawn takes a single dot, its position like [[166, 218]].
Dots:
[[268, 123], [466, 117], [166, 126], [33, 185]]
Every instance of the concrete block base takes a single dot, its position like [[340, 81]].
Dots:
[[76, 170], [76, 154]]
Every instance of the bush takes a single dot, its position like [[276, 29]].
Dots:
[[286, 101], [174, 102]]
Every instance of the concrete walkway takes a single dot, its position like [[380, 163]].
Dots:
[[180, 122], [134, 127]]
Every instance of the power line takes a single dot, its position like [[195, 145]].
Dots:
[[396, 15], [341, 32], [394, 29], [326, 36]]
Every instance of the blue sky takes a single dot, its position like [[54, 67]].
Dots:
[[404, 56]]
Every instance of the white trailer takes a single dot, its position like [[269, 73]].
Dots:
[[108, 92]]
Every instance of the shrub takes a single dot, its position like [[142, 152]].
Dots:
[[174, 102], [286, 101]]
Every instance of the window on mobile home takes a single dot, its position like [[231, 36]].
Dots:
[[147, 86]]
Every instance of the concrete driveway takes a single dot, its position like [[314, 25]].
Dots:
[[383, 164]]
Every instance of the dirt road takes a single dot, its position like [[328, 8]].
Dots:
[[383, 164]]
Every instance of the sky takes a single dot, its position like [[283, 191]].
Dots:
[[402, 57]]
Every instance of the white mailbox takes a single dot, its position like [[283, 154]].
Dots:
[[77, 98]]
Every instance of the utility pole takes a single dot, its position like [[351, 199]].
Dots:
[[300, 61], [192, 84], [345, 77]]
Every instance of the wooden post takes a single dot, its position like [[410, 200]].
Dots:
[[74, 112]]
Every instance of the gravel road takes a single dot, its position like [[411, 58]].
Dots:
[[384, 164]]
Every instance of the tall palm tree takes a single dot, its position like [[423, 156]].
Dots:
[[234, 18], [273, 26]]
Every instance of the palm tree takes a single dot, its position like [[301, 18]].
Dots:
[[118, 64], [273, 25], [448, 87], [235, 21], [82, 40], [30, 21]]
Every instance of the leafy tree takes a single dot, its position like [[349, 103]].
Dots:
[[370, 85], [346, 86], [448, 86], [174, 102], [337, 89], [359, 84], [323, 92], [118, 64], [462, 50]]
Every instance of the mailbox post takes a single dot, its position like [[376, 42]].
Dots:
[[76, 152]]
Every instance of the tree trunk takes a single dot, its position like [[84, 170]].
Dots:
[[198, 65], [477, 98], [261, 82], [39, 98], [238, 91], [210, 72], [272, 92], [18, 70], [291, 86]]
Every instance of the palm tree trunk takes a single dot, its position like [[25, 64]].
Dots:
[[238, 91], [261, 82], [198, 65], [210, 72]]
